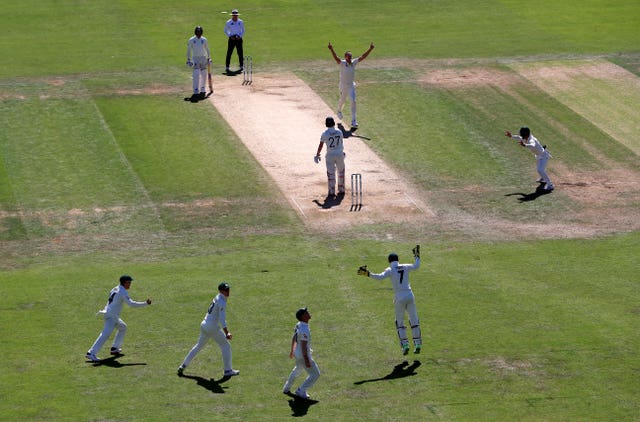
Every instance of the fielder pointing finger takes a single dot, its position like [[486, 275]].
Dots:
[[404, 300]]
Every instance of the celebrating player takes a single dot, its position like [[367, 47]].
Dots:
[[404, 300]]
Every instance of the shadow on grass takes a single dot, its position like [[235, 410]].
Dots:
[[299, 406], [350, 133], [330, 201], [209, 384], [526, 197], [112, 362], [399, 371]]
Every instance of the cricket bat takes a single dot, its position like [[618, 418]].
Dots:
[[209, 76]]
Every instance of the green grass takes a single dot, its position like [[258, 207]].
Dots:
[[105, 170]]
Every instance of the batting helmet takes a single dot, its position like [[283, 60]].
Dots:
[[393, 257], [223, 286], [125, 278], [525, 132], [329, 122], [198, 30]]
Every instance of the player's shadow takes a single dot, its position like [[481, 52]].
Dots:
[[527, 197], [112, 362], [330, 201], [196, 98], [299, 406], [209, 384], [350, 133], [399, 371], [232, 72]]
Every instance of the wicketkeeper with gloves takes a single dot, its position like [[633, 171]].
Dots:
[[404, 300]]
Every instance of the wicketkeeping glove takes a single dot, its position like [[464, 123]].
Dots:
[[363, 270], [416, 251]]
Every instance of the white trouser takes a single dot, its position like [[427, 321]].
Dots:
[[110, 324], [208, 332], [349, 90], [313, 375], [541, 167], [404, 301], [333, 162], [199, 74]]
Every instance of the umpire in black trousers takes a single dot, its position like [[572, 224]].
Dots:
[[234, 29]]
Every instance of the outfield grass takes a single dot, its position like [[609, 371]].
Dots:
[[105, 169]]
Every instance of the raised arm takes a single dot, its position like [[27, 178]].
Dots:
[[366, 53], [333, 53]]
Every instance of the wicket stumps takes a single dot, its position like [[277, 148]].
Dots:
[[356, 192], [247, 70]]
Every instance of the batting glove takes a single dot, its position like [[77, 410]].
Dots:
[[416, 251], [363, 270], [189, 63], [316, 159]]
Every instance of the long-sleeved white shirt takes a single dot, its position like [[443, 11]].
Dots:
[[198, 47], [216, 314], [232, 28], [533, 145], [117, 298], [399, 274]]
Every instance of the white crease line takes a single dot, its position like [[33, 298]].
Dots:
[[414, 202], [299, 207]]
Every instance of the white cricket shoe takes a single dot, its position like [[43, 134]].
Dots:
[[231, 373], [302, 394], [339, 115], [92, 357], [354, 124]]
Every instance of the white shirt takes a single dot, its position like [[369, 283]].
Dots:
[[117, 298], [348, 72], [216, 313], [232, 28], [399, 274], [198, 47], [334, 141], [302, 334], [534, 146]]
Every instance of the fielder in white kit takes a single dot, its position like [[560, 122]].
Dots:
[[347, 80], [210, 329], [118, 296], [334, 158], [404, 301], [527, 140], [198, 57], [301, 350]]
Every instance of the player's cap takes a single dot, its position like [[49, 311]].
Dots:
[[235, 12], [125, 278], [300, 312], [393, 257], [329, 122], [223, 286]]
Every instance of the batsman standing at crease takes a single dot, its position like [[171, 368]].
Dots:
[[198, 57], [234, 30], [334, 158], [404, 300]]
